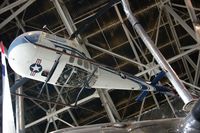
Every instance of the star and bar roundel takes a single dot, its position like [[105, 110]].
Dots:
[[36, 67]]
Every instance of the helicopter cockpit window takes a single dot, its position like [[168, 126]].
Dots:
[[80, 61], [73, 76], [55, 38], [33, 36], [72, 58], [86, 64], [65, 75]]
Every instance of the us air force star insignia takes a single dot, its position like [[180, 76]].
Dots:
[[36, 68]]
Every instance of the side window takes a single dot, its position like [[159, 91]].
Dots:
[[86, 64], [80, 61], [71, 58]]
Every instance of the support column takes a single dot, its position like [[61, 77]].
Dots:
[[180, 88], [19, 109], [65, 17], [196, 25], [191, 11], [67, 21], [111, 105], [17, 12], [178, 45], [106, 105]]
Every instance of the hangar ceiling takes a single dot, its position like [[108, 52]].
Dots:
[[112, 41]]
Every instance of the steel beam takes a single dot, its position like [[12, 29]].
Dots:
[[173, 59], [197, 71], [11, 6], [171, 106], [183, 6], [94, 95], [181, 22], [114, 54], [6, 21], [128, 35], [19, 24], [180, 88], [63, 101], [141, 109], [65, 122], [191, 85], [65, 16], [178, 45], [195, 21], [191, 62], [19, 109], [191, 11], [106, 105], [111, 105]]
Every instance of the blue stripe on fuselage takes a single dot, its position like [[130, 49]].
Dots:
[[68, 48]]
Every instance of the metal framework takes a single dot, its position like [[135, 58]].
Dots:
[[169, 18]]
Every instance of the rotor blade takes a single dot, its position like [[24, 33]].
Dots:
[[8, 118]]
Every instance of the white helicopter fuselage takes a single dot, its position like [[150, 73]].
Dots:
[[30, 55]]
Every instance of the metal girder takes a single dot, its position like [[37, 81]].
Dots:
[[194, 20], [191, 85], [19, 24], [191, 11], [114, 54], [94, 95], [183, 6], [106, 105], [171, 106], [65, 16], [6, 21], [173, 59], [197, 73], [178, 45], [128, 35], [65, 122], [191, 62], [141, 109], [63, 101], [111, 105], [181, 21], [19, 109], [10, 6], [180, 88]]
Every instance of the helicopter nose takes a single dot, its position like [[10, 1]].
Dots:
[[18, 41], [30, 37]]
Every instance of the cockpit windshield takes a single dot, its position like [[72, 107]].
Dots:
[[33, 36]]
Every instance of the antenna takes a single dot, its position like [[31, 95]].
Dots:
[[45, 27]]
